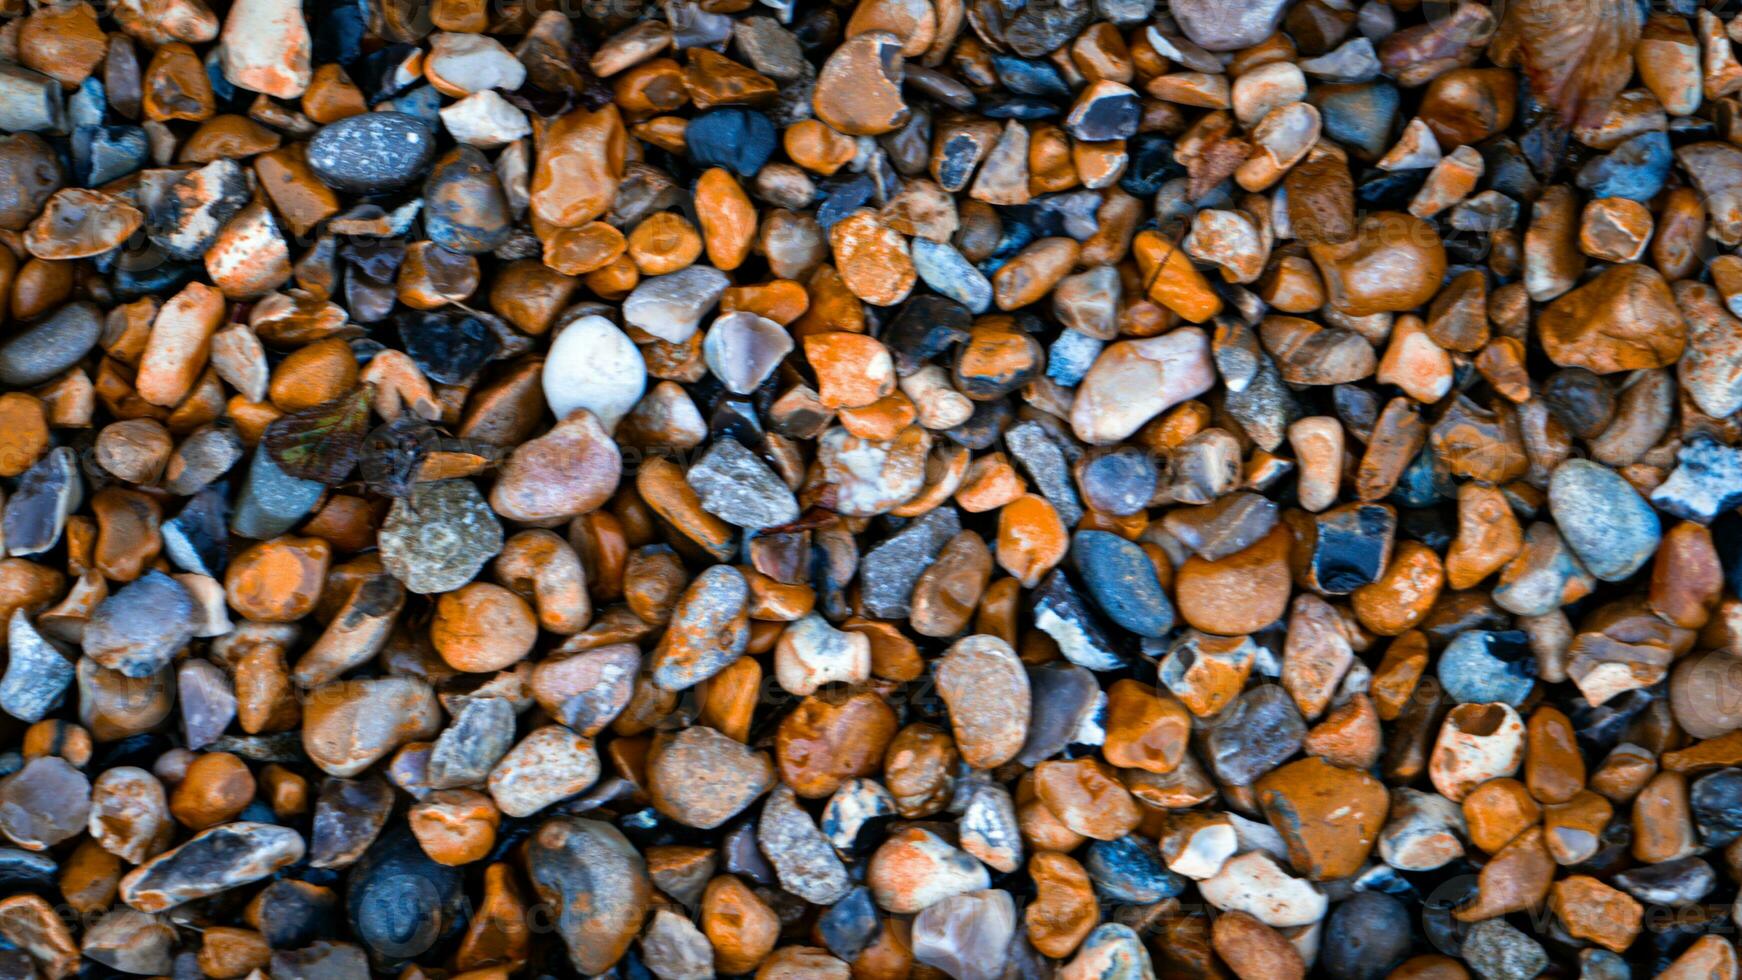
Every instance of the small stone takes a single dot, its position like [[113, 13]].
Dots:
[[670, 307], [1254, 883], [801, 855], [967, 936], [739, 488], [37, 672], [439, 537], [1496, 950], [743, 349], [50, 346], [266, 47], [1623, 320], [982, 682], [811, 653], [1134, 381], [915, 869], [1123, 582], [44, 803], [550, 764], [141, 626], [1603, 519], [371, 152], [701, 778], [349, 725], [210, 862]]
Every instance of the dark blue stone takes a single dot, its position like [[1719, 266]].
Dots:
[[850, 925], [27, 871], [1727, 537], [841, 197], [105, 153], [337, 29], [1717, 803], [1062, 613], [984, 426], [1130, 871], [1026, 77], [1152, 164], [450, 346], [1424, 483], [1120, 482], [741, 140], [1122, 580], [1389, 190], [420, 102], [1506, 170], [372, 152], [1360, 116], [1480, 667], [399, 902], [292, 913], [1367, 935], [378, 72], [1063, 695], [956, 160], [154, 275], [1351, 546], [1107, 117], [925, 327], [1635, 170]]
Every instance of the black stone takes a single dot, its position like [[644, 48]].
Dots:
[[1113, 116], [984, 426], [741, 140], [1024, 76], [295, 913], [450, 346], [381, 74], [1582, 401], [198, 539], [1027, 108], [1130, 871], [1366, 936], [1352, 546], [372, 152], [399, 902], [841, 196], [105, 153], [1043, 26], [1152, 165], [1063, 695], [925, 327]]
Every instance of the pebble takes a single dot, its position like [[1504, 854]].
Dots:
[[593, 365], [1603, 519], [439, 537], [737, 487], [213, 861], [371, 152]]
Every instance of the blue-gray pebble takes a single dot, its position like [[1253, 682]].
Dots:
[[1603, 519], [1122, 581]]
